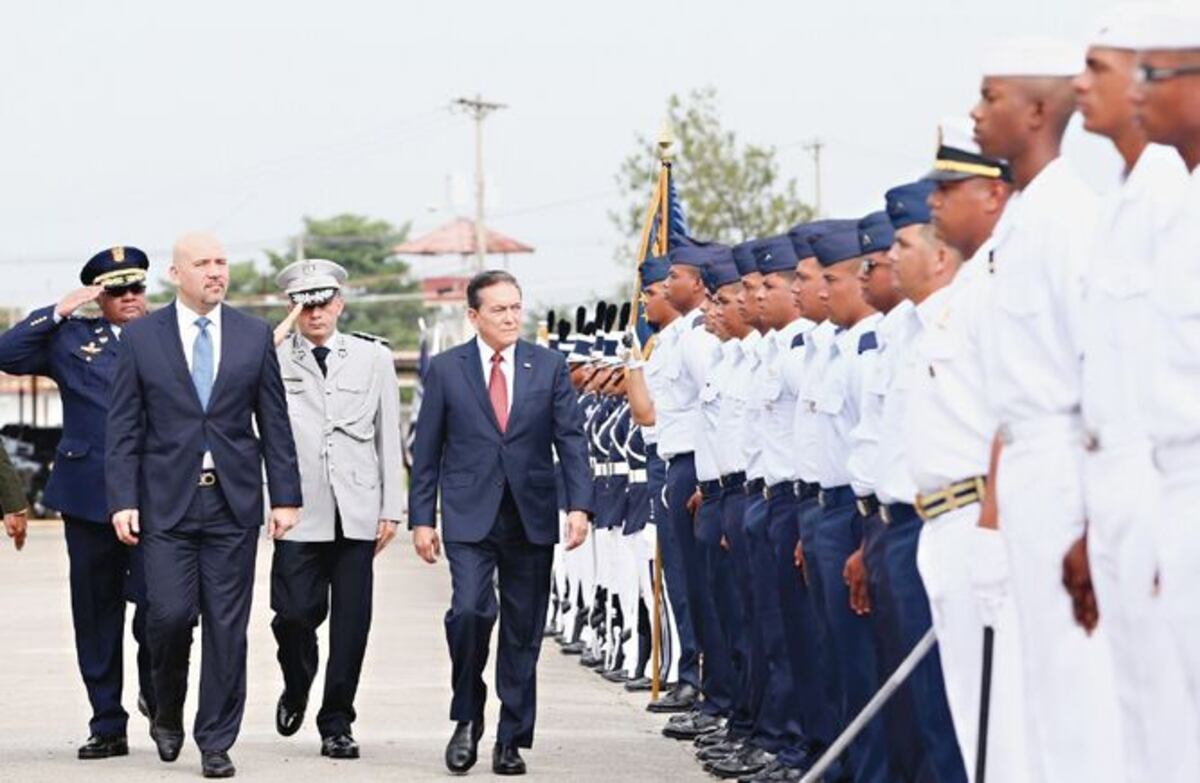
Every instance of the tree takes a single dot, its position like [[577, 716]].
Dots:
[[731, 192]]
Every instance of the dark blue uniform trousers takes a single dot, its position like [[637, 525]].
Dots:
[[104, 575], [305, 575], [738, 612], [719, 596], [203, 567], [524, 587], [673, 571], [838, 533], [778, 724], [941, 760], [717, 680]]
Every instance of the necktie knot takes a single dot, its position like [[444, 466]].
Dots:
[[497, 358], [202, 323]]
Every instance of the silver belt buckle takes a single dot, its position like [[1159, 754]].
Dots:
[[884, 514]]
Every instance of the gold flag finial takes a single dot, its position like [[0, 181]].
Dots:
[[666, 139]]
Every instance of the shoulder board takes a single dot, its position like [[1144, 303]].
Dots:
[[867, 342], [798, 341], [698, 321], [371, 338]]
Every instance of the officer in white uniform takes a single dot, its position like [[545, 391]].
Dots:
[[344, 405]]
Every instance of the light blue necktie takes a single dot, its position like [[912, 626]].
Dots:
[[202, 362]]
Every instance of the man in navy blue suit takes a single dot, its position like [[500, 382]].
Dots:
[[79, 353], [185, 478], [492, 409]]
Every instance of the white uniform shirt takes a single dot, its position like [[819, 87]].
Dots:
[[688, 356], [712, 403], [877, 455], [735, 394], [1175, 382], [508, 356], [188, 331], [948, 424], [779, 405], [805, 428], [839, 400], [754, 448], [1032, 337]]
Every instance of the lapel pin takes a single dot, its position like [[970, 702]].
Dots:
[[527, 366]]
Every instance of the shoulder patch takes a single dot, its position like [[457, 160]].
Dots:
[[371, 338], [698, 321], [867, 342], [798, 341]]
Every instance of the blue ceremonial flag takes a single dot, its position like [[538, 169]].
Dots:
[[664, 228]]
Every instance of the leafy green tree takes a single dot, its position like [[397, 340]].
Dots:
[[730, 191]]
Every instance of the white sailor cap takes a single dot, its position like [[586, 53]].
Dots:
[[1118, 27], [311, 281], [1032, 56], [1166, 26]]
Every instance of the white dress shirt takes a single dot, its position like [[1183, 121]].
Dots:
[[839, 403], [735, 397], [805, 430], [508, 356], [689, 353], [755, 447], [748, 443], [1175, 382], [1033, 344], [779, 405], [948, 424], [188, 331]]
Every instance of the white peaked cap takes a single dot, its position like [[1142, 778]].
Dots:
[[1166, 26], [1033, 57]]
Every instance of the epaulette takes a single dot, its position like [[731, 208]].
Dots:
[[798, 341], [698, 321], [372, 338], [867, 342]]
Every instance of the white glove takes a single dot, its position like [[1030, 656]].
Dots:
[[631, 354], [989, 573]]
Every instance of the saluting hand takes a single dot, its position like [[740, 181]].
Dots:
[[425, 541], [285, 326], [77, 299], [577, 529], [282, 520], [125, 523], [384, 534], [16, 525]]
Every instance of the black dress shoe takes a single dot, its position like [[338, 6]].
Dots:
[[99, 746], [749, 762], [590, 661], [713, 738], [722, 750], [615, 675], [573, 648], [287, 717], [463, 749], [692, 726], [506, 760], [216, 764], [339, 746], [639, 684], [680, 699], [168, 741]]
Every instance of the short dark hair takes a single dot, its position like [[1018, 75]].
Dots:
[[487, 279]]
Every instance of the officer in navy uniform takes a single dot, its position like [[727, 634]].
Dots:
[[79, 354]]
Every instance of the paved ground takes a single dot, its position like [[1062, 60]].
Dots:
[[587, 729]]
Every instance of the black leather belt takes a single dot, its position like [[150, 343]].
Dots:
[[805, 491], [866, 505], [733, 480], [208, 478], [897, 513], [755, 486], [710, 489], [778, 490], [835, 496]]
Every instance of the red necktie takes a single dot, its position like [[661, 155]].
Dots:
[[498, 392]]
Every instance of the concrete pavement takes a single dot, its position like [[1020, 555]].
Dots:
[[588, 730]]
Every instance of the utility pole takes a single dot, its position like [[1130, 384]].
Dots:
[[815, 148], [478, 108]]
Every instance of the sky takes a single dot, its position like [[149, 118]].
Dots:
[[130, 122]]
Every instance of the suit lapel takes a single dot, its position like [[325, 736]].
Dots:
[[473, 370], [172, 345], [523, 369]]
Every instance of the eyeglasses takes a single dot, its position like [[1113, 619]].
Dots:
[[868, 264], [1148, 73], [117, 292]]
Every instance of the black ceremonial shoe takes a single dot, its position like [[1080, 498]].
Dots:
[[463, 749], [681, 698], [506, 760], [168, 741], [639, 684], [339, 746], [216, 764], [287, 717], [691, 726], [99, 746]]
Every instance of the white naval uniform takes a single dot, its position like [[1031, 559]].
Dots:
[[1032, 350], [1120, 482], [1175, 426], [947, 433]]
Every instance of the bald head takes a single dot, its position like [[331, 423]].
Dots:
[[199, 271]]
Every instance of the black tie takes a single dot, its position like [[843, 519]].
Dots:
[[320, 353]]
